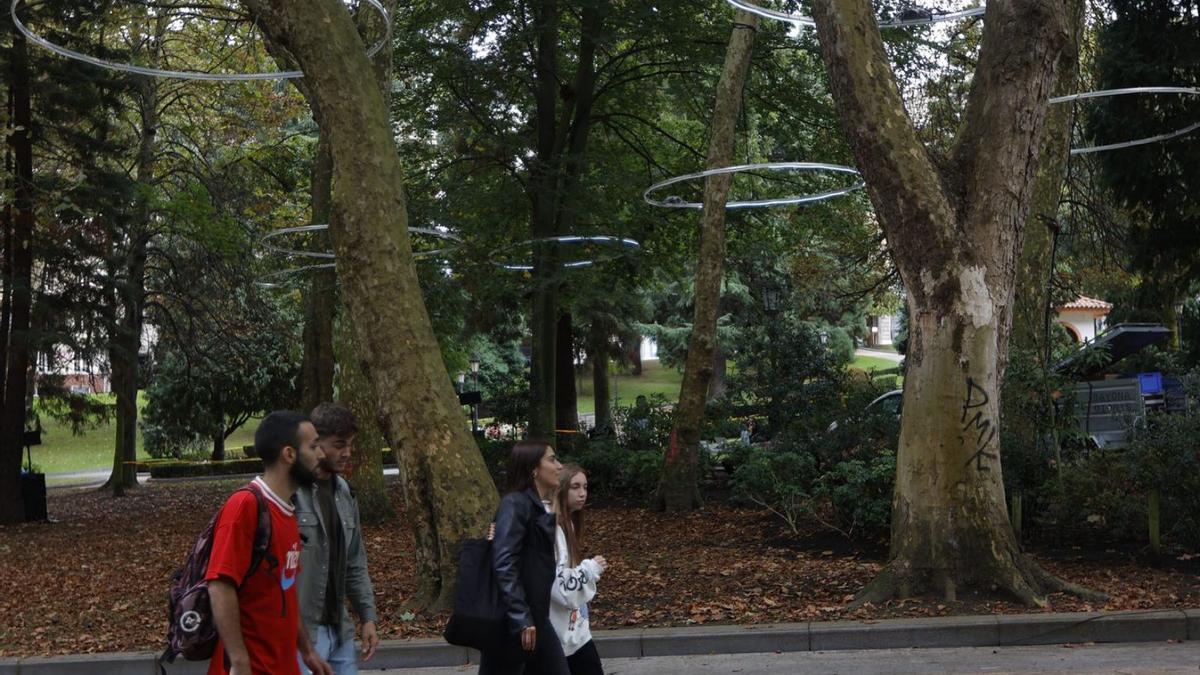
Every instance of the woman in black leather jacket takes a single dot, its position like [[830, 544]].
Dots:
[[524, 562]]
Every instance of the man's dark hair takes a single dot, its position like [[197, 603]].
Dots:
[[277, 431], [334, 419], [523, 460]]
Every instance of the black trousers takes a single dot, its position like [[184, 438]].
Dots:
[[547, 659], [586, 660]]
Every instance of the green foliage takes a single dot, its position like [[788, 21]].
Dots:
[[209, 390], [1167, 459], [1153, 42], [860, 492], [841, 480], [781, 481]]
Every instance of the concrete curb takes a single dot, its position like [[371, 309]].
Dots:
[[954, 631]]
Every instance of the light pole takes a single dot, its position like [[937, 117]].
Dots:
[[475, 382]]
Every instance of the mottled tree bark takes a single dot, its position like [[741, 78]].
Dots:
[[678, 489], [448, 492], [317, 362], [355, 392], [954, 229]]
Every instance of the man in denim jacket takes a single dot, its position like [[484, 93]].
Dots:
[[333, 564]]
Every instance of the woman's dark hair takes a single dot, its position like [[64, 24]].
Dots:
[[523, 460]]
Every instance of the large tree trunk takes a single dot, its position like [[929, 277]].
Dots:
[[543, 181], [448, 491], [955, 234], [560, 150], [18, 287], [354, 392], [353, 386], [566, 407], [598, 349], [1032, 312], [678, 489], [316, 365]]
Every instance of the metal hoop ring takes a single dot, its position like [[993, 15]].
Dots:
[[1190, 91], [262, 282], [186, 74], [328, 255], [920, 19], [620, 242], [674, 202]]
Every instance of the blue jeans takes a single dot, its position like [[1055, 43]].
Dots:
[[340, 655]]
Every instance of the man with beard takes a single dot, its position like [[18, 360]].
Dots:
[[254, 608], [333, 558]]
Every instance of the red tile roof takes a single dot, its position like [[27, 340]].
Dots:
[[1084, 302]]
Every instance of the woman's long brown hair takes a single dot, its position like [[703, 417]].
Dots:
[[571, 523]]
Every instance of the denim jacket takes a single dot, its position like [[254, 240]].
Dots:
[[314, 560]]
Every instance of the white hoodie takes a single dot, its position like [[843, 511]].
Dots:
[[573, 587]]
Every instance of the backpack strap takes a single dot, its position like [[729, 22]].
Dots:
[[261, 549]]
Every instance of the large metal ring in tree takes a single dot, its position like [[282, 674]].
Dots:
[[676, 202], [591, 243], [1187, 91], [329, 255], [188, 74], [906, 17]]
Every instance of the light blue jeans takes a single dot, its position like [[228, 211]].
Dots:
[[340, 655]]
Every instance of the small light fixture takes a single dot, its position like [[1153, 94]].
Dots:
[[474, 364]]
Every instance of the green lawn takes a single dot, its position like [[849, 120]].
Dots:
[[624, 388], [869, 363], [61, 451]]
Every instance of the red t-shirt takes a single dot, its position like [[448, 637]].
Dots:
[[267, 598]]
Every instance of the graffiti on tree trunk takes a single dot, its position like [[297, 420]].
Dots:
[[975, 400]]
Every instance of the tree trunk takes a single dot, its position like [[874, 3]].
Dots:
[[218, 451], [316, 365], [354, 392], [678, 489], [566, 407], [599, 358], [447, 488], [353, 386], [954, 233], [717, 386], [126, 333], [19, 288], [1032, 313]]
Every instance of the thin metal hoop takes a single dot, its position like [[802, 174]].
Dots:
[[327, 255], [673, 202], [1105, 93], [802, 20], [186, 74], [262, 282], [622, 242]]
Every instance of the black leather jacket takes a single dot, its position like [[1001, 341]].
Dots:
[[523, 558]]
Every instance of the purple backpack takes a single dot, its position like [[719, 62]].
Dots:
[[192, 632]]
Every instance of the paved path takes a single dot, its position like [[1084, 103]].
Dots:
[[1140, 658], [879, 354]]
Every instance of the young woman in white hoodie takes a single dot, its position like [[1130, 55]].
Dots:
[[575, 581]]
